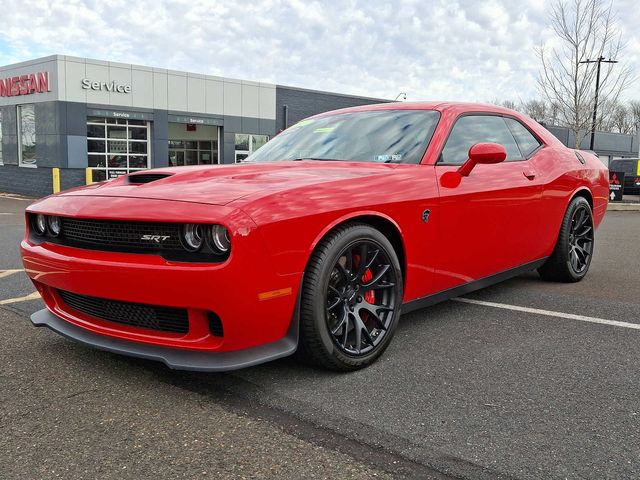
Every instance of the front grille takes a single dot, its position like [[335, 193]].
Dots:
[[153, 317], [120, 235]]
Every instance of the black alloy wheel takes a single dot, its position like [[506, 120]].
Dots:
[[360, 297], [573, 251], [351, 297], [581, 239]]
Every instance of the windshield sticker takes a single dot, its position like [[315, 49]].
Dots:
[[396, 157], [324, 130]]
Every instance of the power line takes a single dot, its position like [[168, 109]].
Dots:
[[595, 103]]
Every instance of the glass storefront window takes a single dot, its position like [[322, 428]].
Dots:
[[258, 141], [26, 136], [242, 141], [246, 144], [117, 146], [193, 152]]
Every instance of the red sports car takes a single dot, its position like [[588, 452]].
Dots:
[[318, 240]]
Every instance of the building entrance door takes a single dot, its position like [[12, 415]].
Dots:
[[193, 146]]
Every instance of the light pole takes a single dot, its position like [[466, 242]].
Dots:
[[595, 102], [401, 94]]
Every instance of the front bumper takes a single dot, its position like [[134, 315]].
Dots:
[[257, 326], [174, 358]]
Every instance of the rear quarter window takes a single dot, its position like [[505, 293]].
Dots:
[[527, 142]]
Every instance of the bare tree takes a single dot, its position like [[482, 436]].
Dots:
[[536, 109], [505, 103], [634, 114], [619, 119], [586, 30], [510, 104]]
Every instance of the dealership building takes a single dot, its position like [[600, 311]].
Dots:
[[60, 115], [71, 113]]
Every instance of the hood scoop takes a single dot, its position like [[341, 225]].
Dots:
[[140, 178]]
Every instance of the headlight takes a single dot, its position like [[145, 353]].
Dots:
[[40, 225], [192, 237], [219, 239], [55, 225]]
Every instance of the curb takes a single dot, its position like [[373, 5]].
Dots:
[[624, 207]]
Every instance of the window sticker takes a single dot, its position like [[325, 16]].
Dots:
[[396, 157], [324, 130]]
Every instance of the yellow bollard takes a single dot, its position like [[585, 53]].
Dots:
[[56, 179], [89, 176]]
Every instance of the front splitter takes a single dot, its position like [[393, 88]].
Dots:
[[174, 358]]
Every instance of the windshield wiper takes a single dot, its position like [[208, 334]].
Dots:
[[314, 158]]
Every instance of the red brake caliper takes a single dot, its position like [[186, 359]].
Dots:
[[369, 295]]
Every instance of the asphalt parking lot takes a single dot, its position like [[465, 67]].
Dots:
[[524, 380]]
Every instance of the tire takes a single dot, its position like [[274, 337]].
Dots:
[[572, 254], [345, 326]]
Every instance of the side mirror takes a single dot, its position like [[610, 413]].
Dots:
[[483, 153]]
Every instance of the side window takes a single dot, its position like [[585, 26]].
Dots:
[[525, 139], [473, 129]]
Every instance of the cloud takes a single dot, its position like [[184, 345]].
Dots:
[[440, 49]]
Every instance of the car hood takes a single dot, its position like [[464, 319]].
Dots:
[[223, 184]]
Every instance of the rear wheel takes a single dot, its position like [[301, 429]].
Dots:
[[351, 299], [573, 251]]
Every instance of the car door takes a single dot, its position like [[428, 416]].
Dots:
[[489, 220]]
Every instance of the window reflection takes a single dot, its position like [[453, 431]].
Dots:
[[27, 135]]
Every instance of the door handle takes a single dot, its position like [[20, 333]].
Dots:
[[530, 173]]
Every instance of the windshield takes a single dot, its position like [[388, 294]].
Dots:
[[384, 136]]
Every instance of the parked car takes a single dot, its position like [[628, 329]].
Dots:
[[318, 240], [629, 166]]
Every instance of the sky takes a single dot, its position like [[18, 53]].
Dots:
[[461, 50]]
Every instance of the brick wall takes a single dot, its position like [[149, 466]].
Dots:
[[37, 182]]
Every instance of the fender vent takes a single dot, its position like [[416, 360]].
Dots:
[[141, 178]]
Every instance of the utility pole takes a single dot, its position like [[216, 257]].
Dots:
[[595, 103]]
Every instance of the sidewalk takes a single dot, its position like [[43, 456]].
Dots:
[[629, 203]]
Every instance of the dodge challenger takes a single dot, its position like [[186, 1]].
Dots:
[[318, 241]]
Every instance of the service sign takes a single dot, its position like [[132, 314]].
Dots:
[[616, 180], [25, 84]]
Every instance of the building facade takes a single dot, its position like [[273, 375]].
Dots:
[[72, 113], [607, 145]]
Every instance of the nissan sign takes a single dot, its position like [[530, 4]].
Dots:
[[25, 84]]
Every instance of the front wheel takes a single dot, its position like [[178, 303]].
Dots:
[[571, 257], [351, 298]]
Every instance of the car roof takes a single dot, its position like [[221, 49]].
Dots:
[[454, 109], [441, 106]]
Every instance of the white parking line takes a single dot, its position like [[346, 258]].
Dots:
[[6, 273], [550, 313], [15, 196], [31, 296]]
